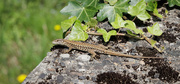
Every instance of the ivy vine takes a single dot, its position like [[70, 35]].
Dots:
[[83, 12]]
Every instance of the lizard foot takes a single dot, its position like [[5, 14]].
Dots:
[[65, 50]]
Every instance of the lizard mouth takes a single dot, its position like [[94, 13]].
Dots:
[[55, 42], [58, 42]]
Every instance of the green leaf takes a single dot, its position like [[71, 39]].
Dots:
[[110, 11], [131, 25], [118, 23], [77, 32], [86, 3], [67, 23], [153, 42], [106, 35], [173, 2], [82, 13], [166, 11], [143, 16], [147, 1], [155, 12], [111, 2], [150, 6], [92, 23], [139, 10], [130, 33], [85, 27], [155, 30], [100, 6], [134, 2]]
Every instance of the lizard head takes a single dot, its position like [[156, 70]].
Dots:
[[58, 42]]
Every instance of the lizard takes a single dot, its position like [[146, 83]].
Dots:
[[93, 49]]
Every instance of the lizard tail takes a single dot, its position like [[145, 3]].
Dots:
[[130, 56]]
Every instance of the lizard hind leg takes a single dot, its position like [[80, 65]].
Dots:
[[93, 56]]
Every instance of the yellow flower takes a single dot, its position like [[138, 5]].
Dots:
[[57, 27], [21, 77]]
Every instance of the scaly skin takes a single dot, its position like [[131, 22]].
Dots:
[[93, 48]]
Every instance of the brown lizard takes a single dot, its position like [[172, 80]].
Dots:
[[92, 48]]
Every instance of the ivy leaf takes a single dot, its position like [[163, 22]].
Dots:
[[118, 23], [110, 11], [166, 11], [130, 33], [111, 2], [87, 3], [106, 35], [85, 27], [82, 13], [131, 25], [139, 10], [77, 32], [153, 42], [150, 6], [155, 12], [147, 1], [92, 23], [144, 16], [173, 2], [68, 23], [155, 30], [100, 6], [134, 2]]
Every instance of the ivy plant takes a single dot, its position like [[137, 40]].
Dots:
[[85, 15]]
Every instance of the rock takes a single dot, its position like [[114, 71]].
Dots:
[[83, 57], [65, 56]]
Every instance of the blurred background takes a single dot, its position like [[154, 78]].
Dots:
[[26, 32]]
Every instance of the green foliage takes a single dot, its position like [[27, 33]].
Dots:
[[155, 12], [150, 6], [131, 25], [134, 2], [86, 3], [82, 13], [111, 2], [174, 2], [155, 30], [107, 35], [110, 11], [68, 23], [118, 23], [139, 10], [113, 10], [26, 33], [131, 33], [166, 12], [78, 33], [92, 23], [153, 42]]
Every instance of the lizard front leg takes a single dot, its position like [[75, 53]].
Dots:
[[66, 51]]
